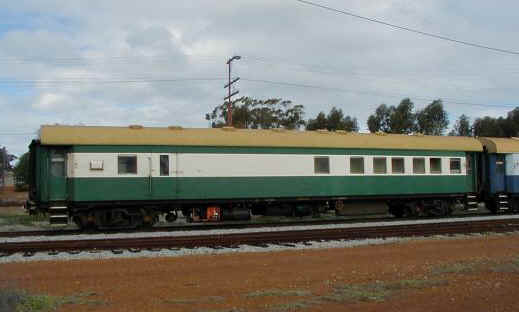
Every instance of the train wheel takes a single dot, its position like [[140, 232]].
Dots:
[[399, 211], [491, 205]]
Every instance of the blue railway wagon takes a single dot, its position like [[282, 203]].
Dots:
[[500, 189]]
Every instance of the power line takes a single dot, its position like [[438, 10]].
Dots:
[[105, 81], [372, 93], [405, 28]]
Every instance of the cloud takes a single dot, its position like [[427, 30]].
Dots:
[[51, 102], [125, 62]]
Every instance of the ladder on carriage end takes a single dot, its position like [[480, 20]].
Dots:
[[58, 215], [471, 202], [502, 202]]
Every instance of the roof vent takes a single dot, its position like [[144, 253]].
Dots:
[[342, 131], [175, 128], [228, 128], [135, 127], [323, 131]]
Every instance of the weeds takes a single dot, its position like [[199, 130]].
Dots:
[[206, 299], [511, 266], [278, 293], [457, 268], [378, 291], [22, 219], [21, 301]]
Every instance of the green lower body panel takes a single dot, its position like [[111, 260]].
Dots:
[[115, 189]]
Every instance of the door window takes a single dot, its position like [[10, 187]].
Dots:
[[57, 164], [164, 165]]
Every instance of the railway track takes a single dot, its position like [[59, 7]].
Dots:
[[222, 226], [261, 238]]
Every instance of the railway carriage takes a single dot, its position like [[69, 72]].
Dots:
[[500, 189], [128, 176]]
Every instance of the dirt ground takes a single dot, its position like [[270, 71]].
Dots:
[[8, 193], [474, 274]]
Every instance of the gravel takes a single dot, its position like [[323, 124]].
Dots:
[[250, 230], [64, 256], [120, 254]]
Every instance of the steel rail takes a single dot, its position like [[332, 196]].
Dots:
[[222, 226], [262, 238]]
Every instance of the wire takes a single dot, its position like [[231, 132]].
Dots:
[[452, 101], [405, 28], [106, 81]]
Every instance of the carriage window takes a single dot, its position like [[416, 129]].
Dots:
[[127, 164], [57, 164], [357, 165], [418, 165], [321, 164], [397, 165], [164, 165], [436, 165], [455, 165], [500, 164], [379, 165]]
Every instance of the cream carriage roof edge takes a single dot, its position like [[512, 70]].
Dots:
[[500, 145], [96, 135]]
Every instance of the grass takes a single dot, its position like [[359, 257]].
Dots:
[[457, 268], [27, 220], [206, 299], [278, 293], [507, 267], [378, 291], [467, 267], [292, 306], [21, 301]]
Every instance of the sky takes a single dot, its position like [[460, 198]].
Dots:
[[161, 63]]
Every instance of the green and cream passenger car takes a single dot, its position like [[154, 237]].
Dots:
[[127, 176]]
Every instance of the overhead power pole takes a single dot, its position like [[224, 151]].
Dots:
[[228, 98]]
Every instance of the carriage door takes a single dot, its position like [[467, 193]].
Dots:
[[58, 174], [164, 181], [497, 173]]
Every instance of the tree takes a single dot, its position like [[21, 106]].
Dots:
[[462, 127], [513, 121], [252, 113], [5, 163], [432, 120], [381, 120], [351, 124], [488, 127], [391, 119], [21, 169], [402, 118], [320, 122], [335, 120]]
